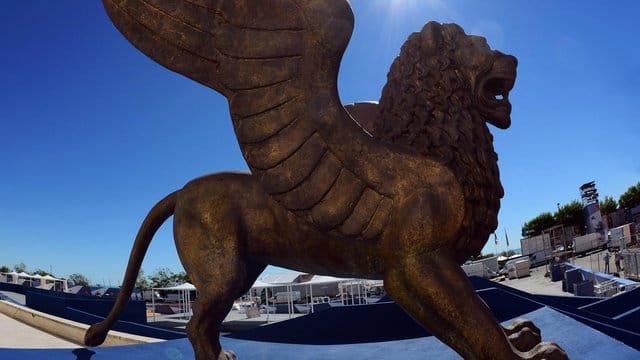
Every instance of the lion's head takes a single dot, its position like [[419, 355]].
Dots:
[[441, 91], [440, 65], [491, 75]]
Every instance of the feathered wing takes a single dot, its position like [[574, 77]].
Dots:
[[277, 63]]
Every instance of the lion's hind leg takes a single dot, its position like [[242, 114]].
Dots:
[[210, 309], [209, 238]]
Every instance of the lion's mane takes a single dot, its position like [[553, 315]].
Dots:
[[427, 104]]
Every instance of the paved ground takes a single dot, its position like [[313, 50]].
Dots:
[[537, 283], [14, 334]]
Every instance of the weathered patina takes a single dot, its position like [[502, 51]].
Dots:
[[404, 190]]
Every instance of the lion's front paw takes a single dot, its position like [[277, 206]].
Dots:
[[525, 339], [523, 334], [546, 351], [520, 324]]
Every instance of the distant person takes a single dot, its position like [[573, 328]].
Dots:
[[617, 259], [606, 262]]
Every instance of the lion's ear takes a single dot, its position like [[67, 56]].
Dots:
[[432, 37]]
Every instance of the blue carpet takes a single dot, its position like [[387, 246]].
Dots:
[[579, 340]]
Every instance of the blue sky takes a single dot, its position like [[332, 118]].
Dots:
[[93, 133]]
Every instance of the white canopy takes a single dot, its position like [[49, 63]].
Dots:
[[184, 300], [43, 279], [275, 280], [261, 285], [281, 278], [185, 286], [322, 279]]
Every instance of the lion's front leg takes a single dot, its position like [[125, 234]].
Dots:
[[435, 291]]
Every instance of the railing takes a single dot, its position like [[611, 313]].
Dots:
[[631, 260]]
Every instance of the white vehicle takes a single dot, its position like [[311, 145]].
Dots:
[[517, 268], [285, 297]]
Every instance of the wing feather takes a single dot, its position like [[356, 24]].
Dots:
[[277, 62], [275, 150], [315, 187], [339, 201], [262, 100], [260, 127], [294, 170]]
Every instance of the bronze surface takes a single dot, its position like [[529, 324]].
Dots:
[[404, 190]]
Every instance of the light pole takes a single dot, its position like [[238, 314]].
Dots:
[[564, 234]]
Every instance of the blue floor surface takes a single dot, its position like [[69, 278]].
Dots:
[[580, 342]]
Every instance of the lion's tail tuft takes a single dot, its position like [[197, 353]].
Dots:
[[96, 334]]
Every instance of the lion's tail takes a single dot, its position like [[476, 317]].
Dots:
[[164, 209]]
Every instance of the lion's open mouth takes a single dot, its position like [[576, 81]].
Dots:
[[494, 91]]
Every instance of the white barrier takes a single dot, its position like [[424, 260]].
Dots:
[[66, 329]]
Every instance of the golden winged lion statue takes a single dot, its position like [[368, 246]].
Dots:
[[403, 190]]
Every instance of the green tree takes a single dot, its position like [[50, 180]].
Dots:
[[571, 214], [78, 279], [142, 282], [4, 269], [537, 224], [41, 272], [181, 278], [481, 256], [507, 253], [20, 267], [608, 205], [163, 277], [630, 198]]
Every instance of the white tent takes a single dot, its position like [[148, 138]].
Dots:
[[258, 284], [186, 286], [322, 279], [24, 276], [14, 277], [287, 279], [48, 278], [281, 278], [184, 300], [47, 281]]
